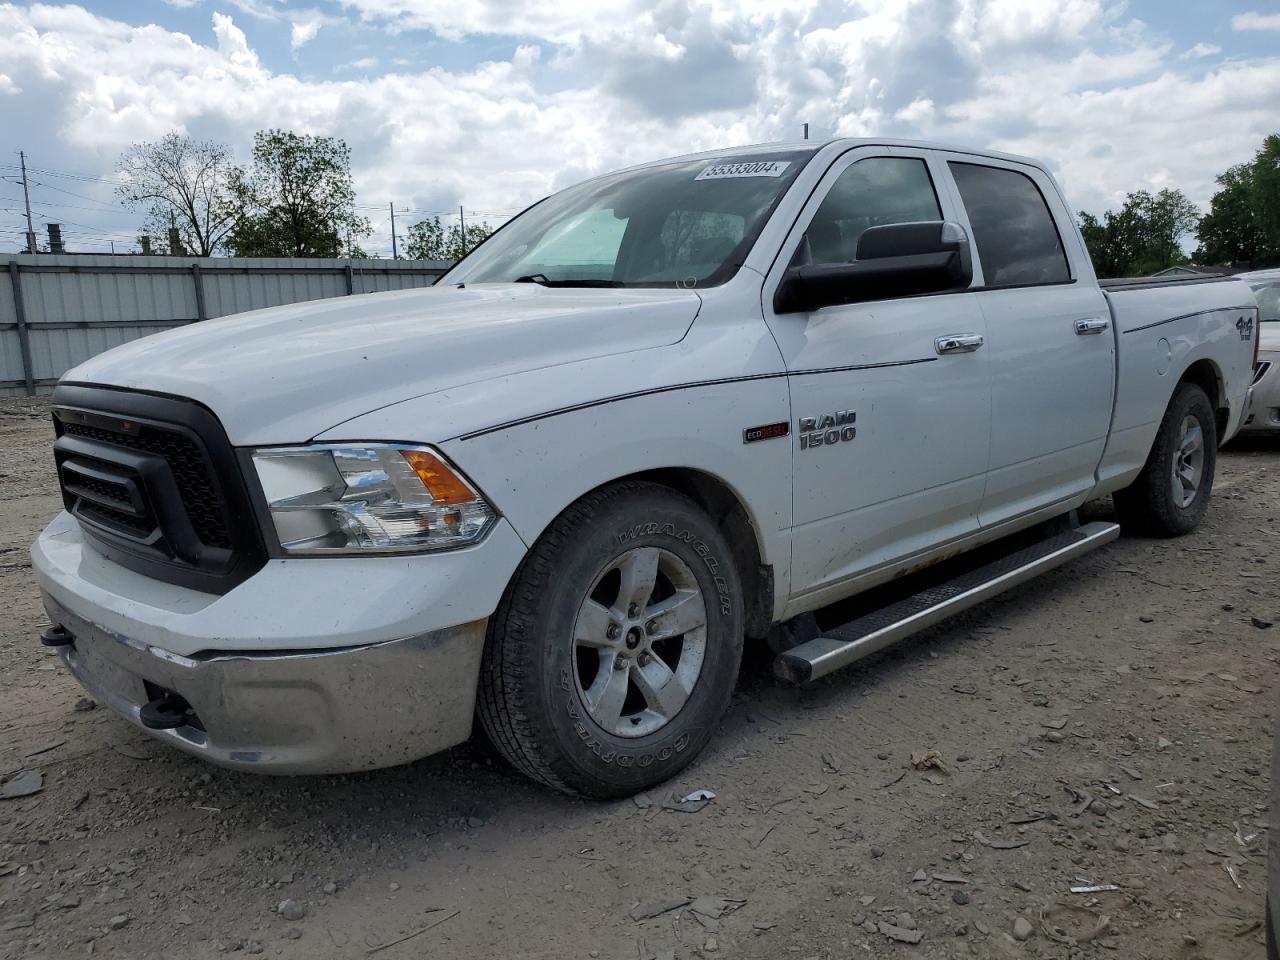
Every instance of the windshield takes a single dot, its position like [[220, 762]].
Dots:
[[1268, 296], [682, 224]]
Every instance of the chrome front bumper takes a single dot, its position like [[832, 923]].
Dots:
[[314, 711]]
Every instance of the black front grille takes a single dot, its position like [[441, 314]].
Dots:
[[105, 490], [118, 518], [190, 472], [155, 483]]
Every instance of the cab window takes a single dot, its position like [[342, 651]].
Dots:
[[870, 193], [1017, 241]]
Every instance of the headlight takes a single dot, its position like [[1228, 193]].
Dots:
[[368, 497]]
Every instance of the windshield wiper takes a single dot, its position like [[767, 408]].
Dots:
[[544, 281]]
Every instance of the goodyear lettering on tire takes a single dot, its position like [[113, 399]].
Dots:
[[700, 547]]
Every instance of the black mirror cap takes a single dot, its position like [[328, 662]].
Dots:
[[894, 260], [909, 239]]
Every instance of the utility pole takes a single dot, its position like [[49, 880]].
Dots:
[[31, 230], [462, 230], [394, 253]]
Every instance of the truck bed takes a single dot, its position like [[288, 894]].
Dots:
[[1163, 327]]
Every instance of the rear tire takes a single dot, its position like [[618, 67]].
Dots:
[[614, 653], [1171, 495]]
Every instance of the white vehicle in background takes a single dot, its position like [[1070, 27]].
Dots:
[[1264, 416], [672, 407]]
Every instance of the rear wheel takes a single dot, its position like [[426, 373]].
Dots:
[[614, 653], [1171, 494]]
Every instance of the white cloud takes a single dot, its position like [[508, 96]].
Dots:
[[1105, 100], [917, 113], [1256, 21], [555, 21], [260, 9], [303, 31], [183, 4], [234, 46], [304, 25], [1201, 50], [992, 24]]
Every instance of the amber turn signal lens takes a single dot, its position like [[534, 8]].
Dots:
[[445, 487]]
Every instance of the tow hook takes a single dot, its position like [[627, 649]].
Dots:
[[57, 636], [165, 713]]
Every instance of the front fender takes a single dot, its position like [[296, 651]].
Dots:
[[532, 471], [535, 442]]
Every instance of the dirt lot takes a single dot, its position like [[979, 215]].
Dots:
[[1109, 724]]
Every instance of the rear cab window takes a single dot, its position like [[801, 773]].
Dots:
[[1017, 242]]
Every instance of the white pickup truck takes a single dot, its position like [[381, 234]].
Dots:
[[659, 412]]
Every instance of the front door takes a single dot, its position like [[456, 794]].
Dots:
[[890, 437]]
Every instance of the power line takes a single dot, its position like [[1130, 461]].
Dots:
[[68, 206], [96, 228], [50, 186], [52, 210], [80, 235], [71, 175], [448, 213], [64, 174]]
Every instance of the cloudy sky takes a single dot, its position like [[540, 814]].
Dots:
[[494, 103]]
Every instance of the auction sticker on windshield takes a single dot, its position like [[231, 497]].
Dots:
[[753, 168]]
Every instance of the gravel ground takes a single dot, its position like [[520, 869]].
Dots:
[[1108, 724]]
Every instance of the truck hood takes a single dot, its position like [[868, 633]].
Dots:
[[287, 374]]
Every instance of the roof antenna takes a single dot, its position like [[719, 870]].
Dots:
[[806, 131]]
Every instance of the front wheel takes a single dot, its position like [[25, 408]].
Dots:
[[1171, 494], [614, 652]]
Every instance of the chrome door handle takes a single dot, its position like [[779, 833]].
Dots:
[[958, 343], [1093, 325]]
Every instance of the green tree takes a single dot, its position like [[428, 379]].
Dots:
[[1166, 219], [1100, 237], [180, 183], [1142, 237], [296, 199], [1243, 222], [1266, 176], [430, 240]]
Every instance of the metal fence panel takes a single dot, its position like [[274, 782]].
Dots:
[[80, 296], [73, 307], [11, 359]]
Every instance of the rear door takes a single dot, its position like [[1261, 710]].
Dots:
[[1050, 345], [889, 436]]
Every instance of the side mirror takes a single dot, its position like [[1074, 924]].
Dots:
[[895, 260]]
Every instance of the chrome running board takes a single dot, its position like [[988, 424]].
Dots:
[[850, 642]]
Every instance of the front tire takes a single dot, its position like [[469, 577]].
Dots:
[[615, 650], [1171, 495]]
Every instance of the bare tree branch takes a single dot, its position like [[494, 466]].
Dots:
[[181, 183]]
